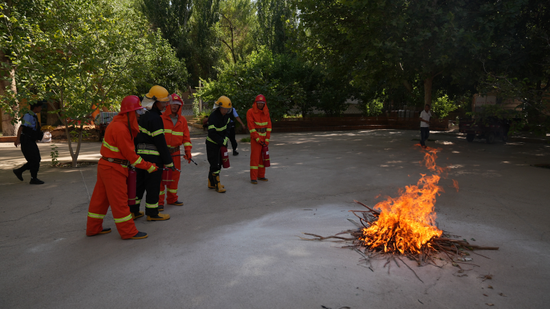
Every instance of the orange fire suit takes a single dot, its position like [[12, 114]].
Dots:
[[176, 135], [110, 187], [259, 125]]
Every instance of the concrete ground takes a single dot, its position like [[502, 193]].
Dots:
[[242, 249]]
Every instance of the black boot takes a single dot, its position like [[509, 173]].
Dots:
[[36, 181], [18, 173]]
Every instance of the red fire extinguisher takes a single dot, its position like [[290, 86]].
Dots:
[[166, 176], [225, 156], [131, 183], [265, 156]]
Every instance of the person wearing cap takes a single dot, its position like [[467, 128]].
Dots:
[[29, 132], [259, 125], [151, 145], [176, 134], [218, 122], [117, 155]]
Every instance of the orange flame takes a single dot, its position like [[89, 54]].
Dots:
[[407, 222]]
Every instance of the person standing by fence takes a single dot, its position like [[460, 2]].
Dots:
[[425, 116]]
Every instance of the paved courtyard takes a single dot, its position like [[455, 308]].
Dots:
[[242, 249]]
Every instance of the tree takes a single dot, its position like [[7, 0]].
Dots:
[[278, 77], [237, 22], [189, 26], [83, 54], [274, 19], [519, 65], [400, 44]]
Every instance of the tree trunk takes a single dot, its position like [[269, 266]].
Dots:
[[8, 129], [428, 91]]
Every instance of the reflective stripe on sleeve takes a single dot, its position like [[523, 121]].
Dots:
[[187, 144], [151, 169], [138, 161], [111, 148]]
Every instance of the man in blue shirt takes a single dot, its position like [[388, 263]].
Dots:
[[234, 116], [27, 135]]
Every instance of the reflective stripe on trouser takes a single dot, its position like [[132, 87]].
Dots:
[[257, 169], [149, 182], [172, 188], [110, 189]]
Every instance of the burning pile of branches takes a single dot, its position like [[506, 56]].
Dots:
[[405, 225]]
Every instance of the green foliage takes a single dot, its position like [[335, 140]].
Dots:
[[389, 46], [245, 140], [373, 107], [442, 106], [54, 154], [189, 27], [276, 19], [289, 84], [83, 55], [235, 29]]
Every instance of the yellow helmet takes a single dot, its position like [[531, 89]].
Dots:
[[158, 93], [224, 101]]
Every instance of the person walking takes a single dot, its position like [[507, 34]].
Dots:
[[117, 155], [29, 132], [259, 125], [218, 122], [425, 116], [176, 133], [151, 145], [232, 126]]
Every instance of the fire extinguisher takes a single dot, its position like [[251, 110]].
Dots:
[[265, 156], [225, 156], [166, 176], [131, 183]]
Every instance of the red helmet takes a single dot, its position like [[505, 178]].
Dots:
[[129, 104], [176, 99], [260, 98]]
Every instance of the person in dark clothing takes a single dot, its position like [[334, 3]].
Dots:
[[218, 122], [151, 146], [232, 126], [29, 132]]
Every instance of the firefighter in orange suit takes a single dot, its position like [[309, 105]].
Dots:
[[117, 154], [259, 125], [176, 134]]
